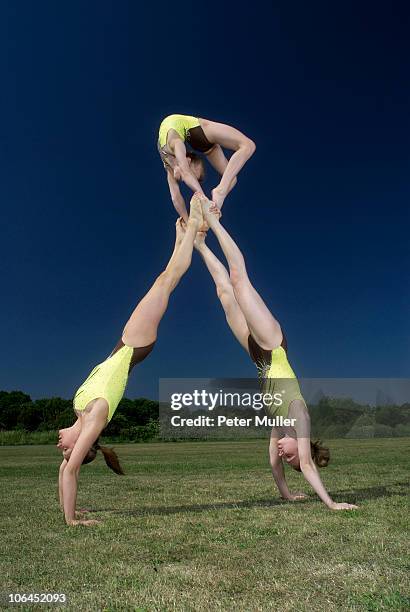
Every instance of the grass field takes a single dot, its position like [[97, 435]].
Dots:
[[199, 526]]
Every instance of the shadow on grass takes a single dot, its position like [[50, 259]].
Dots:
[[234, 505], [348, 496], [357, 495]]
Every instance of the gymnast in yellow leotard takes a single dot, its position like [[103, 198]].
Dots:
[[261, 335], [109, 378], [98, 397], [205, 137]]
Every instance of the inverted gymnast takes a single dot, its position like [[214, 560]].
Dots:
[[261, 336], [98, 397]]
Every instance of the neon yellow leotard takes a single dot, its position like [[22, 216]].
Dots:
[[278, 376], [180, 123], [107, 380]]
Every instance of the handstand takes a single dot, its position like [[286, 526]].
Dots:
[[98, 397], [261, 336]]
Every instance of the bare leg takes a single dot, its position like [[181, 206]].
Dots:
[[179, 234], [230, 138], [224, 290], [141, 328], [218, 160], [262, 325]]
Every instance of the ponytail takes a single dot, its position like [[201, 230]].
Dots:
[[110, 457], [320, 454]]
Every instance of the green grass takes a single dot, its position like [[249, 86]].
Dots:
[[199, 526], [19, 437]]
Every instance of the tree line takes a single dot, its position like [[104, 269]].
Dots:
[[133, 420], [345, 418], [138, 420]]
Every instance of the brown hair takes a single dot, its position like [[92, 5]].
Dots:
[[320, 454], [197, 159], [110, 456]]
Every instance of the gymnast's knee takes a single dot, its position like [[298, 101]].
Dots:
[[223, 290], [238, 277], [249, 147]]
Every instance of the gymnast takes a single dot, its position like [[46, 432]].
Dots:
[[98, 397]]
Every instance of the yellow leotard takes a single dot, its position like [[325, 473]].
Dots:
[[180, 123], [276, 376], [280, 378], [107, 380]]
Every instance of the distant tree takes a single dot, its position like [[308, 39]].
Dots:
[[365, 431], [383, 431], [11, 404], [117, 425], [29, 418], [391, 415], [142, 433], [402, 430], [66, 417], [364, 419], [332, 412], [145, 410], [334, 431], [13, 398], [50, 410], [126, 408]]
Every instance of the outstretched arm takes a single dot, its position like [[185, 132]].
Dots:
[[76, 428], [307, 465], [78, 513], [90, 432], [176, 197], [60, 483]]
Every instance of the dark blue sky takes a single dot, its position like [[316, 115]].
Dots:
[[321, 210]]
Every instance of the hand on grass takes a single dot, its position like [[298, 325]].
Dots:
[[86, 523], [295, 496], [343, 506]]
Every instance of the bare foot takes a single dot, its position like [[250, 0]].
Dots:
[[209, 210], [218, 197], [196, 210], [204, 227]]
